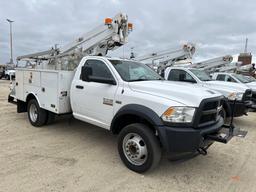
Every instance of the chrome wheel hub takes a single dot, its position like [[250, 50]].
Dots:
[[135, 149], [33, 113]]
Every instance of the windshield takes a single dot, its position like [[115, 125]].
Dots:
[[202, 75], [250, 78], [242, 78], [134, 71]]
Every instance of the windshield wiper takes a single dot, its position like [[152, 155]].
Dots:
[[139, 80], [146, 79]]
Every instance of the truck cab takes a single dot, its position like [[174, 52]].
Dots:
[[232, 91], [131, 100]]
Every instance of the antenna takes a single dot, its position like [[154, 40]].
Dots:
[[246, 44], [123, 52], [132, 56]]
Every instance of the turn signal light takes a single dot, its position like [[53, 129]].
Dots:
[[169, 112]]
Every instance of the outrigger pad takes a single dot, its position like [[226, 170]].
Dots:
[[235, 131], [240, 133], [226, 134]]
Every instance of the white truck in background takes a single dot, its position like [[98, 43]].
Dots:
[[7, 71], [9, 74], [231, 91], [149, 114], [239, 79]]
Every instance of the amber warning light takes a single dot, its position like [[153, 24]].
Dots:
[[130, 26], [108, 21]]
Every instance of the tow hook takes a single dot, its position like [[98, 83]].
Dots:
[[202, 151]]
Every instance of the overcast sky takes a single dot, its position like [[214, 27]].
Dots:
[[217, 27]]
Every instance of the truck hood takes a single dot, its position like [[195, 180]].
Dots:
[[183, 93], [226, 87], [252, 85]]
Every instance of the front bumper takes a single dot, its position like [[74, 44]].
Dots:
[[186, 140]]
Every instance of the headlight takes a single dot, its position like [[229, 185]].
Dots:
[[237, 96], [178, 114]]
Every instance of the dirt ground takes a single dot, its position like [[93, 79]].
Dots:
[[70, 155]]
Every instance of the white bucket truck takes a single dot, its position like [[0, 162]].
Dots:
[[149, 114]]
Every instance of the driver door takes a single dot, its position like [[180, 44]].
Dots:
[[96, 100]]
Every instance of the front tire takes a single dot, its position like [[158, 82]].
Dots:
[[36, 115], [139, 148]]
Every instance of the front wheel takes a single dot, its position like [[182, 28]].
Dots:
[[139, 148], [36, 115]]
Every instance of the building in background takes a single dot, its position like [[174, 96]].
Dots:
[[246, 57]]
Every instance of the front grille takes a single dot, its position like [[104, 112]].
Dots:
[[210, 105], [209, 112], [247, 95], [254, 96], [207, 118]]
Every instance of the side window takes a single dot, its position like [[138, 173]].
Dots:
[[180, 75], [230, 79], [99, 69], [174, 75], [221, 77]]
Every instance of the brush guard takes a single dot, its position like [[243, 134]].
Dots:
[[227, 132]]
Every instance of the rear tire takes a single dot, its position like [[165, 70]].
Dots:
[[36, 115], [7, 77], [139, 148]]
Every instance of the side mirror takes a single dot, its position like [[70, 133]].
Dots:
[[86, 72]]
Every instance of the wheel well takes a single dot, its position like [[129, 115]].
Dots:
[[127, 119], [29, 97], [22, 106]]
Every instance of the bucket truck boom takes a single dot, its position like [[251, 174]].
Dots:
[[212, 65], [110, 35], [168, 57]]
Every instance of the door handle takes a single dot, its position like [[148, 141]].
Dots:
[[79, 86]]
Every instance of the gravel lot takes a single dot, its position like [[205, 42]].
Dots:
[[70, 155]]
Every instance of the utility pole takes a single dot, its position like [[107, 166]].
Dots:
[[10, 22], [246, 44]]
